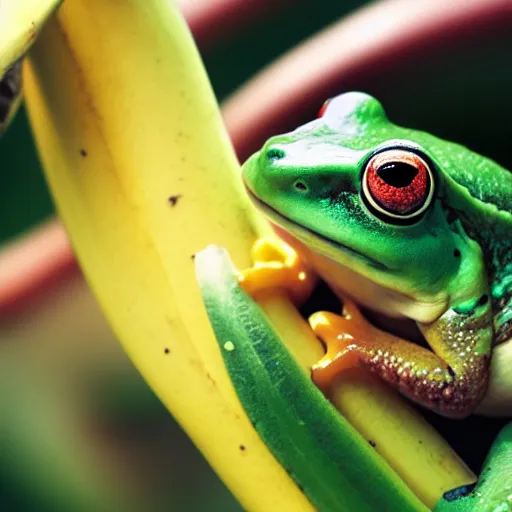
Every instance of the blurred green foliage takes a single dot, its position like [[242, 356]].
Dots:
[[24, 195]]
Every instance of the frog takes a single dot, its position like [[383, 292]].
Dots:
[[404, 224]]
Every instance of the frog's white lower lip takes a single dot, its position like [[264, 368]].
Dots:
[[292, 226]]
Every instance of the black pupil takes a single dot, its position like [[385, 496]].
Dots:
[[397, 174]]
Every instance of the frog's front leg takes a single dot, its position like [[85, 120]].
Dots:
[[277, 265], [451, 380]]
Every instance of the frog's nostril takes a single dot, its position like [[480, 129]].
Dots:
[[301, 186], [275, 154]]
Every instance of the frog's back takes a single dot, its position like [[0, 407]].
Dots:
[[489, 221], [483, 178]]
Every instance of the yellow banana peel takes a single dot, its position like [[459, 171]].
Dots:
[[20, 22], [144, 176], [142, 173]]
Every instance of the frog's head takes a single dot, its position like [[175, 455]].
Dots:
[[362, 191]]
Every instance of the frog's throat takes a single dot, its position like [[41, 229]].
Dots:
[[293, 227]]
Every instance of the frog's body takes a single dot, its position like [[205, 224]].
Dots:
[[408, 225]]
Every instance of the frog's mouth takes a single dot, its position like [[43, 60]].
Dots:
[[395, 304], [306, 235]]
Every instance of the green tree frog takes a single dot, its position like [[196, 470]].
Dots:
[[407, 225]]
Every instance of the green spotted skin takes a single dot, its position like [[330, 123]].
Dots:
[[449, 269]]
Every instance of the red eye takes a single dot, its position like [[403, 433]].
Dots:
[[322, 110], [398, 183]]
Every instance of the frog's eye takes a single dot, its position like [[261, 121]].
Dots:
[[398, 184], [322, 110]]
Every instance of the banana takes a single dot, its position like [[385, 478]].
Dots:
[[20, 22], [144, 176]]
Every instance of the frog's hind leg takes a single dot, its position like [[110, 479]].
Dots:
[[451, 380]]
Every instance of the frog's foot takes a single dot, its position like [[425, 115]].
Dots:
[[452, 390], [340, 334], [277, 265]]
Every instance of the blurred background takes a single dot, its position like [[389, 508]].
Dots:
[[73, 410]]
